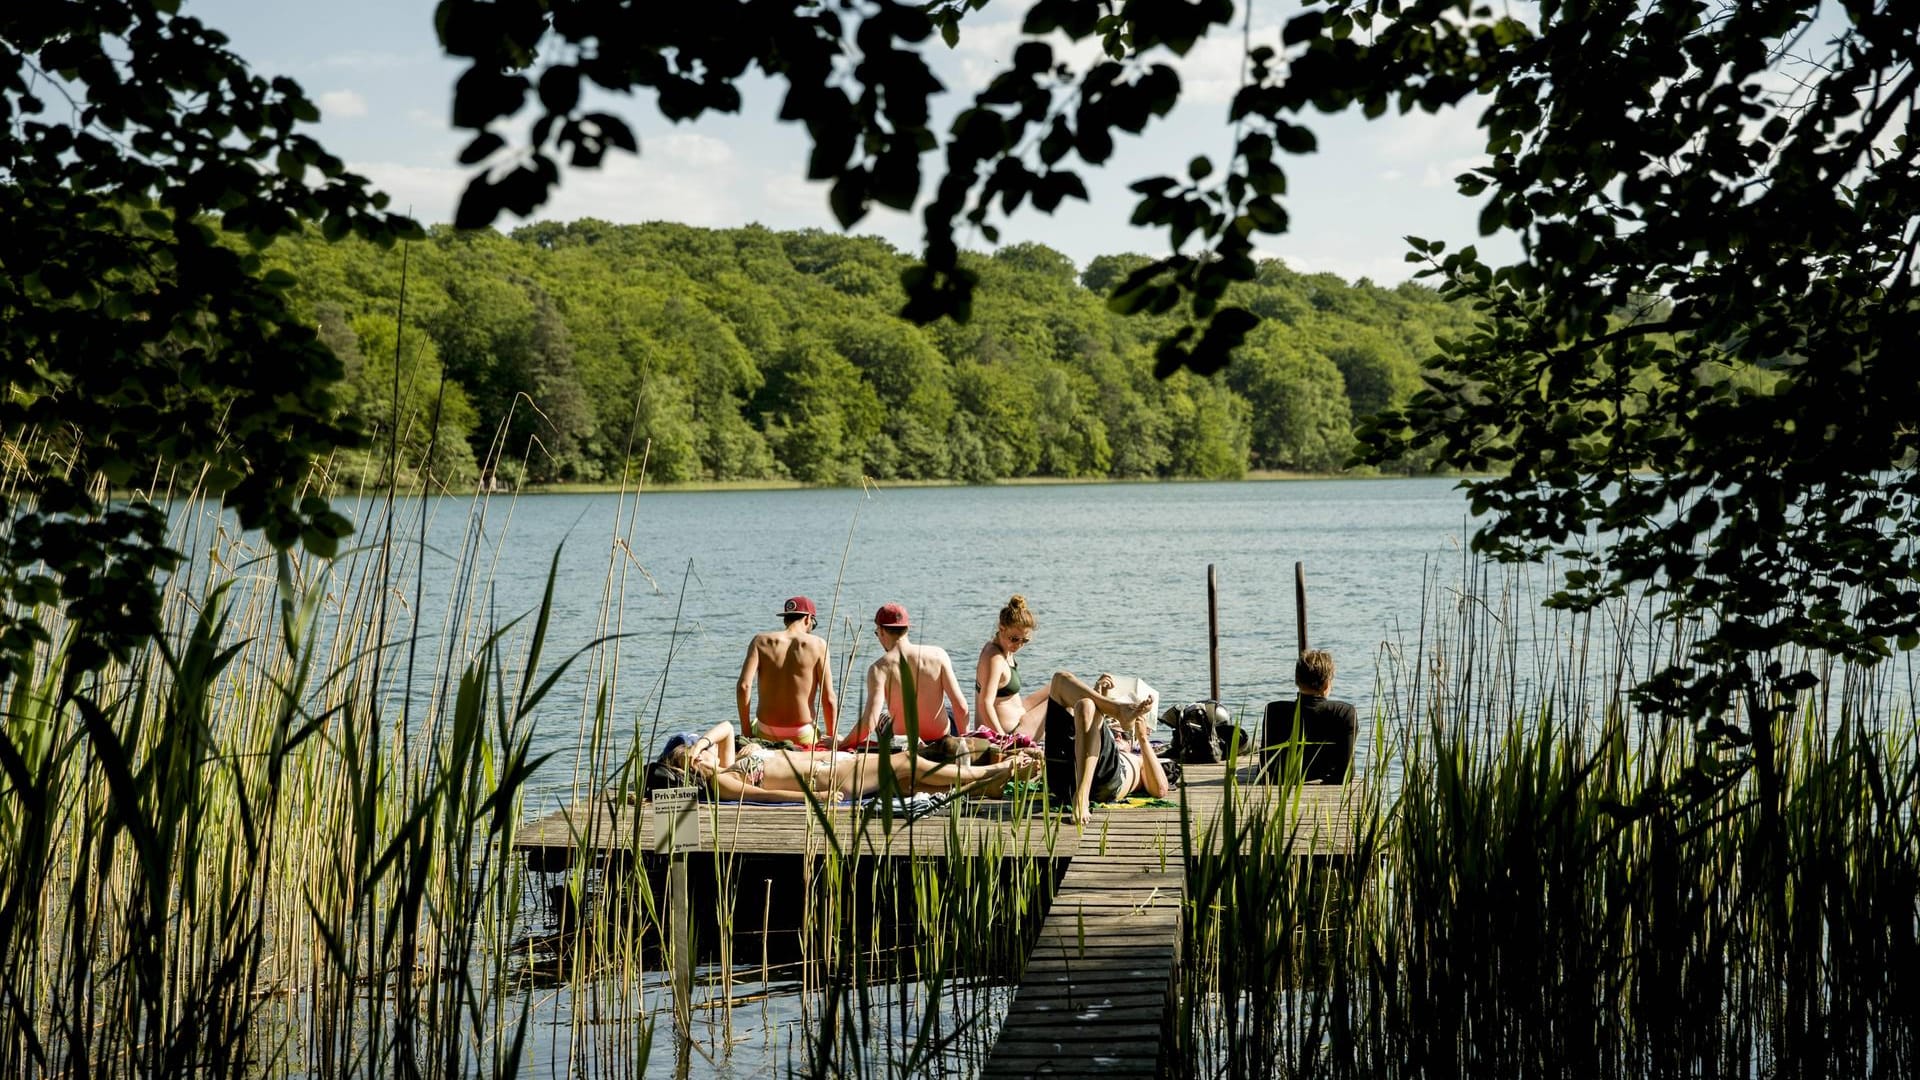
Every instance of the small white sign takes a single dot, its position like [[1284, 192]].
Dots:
[[675, 824]]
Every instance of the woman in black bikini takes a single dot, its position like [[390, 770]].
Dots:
[[998, 703]]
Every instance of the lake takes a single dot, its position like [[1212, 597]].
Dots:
[[1116, 574]]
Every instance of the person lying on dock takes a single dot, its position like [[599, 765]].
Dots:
[[753, 772], [936, 688], [792, 666], [1113, 754]]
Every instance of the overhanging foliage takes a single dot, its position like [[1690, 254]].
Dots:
[[129, 136]]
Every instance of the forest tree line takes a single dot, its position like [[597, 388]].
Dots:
[[577, 352]]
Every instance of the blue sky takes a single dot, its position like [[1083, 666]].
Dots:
[[385, 93]]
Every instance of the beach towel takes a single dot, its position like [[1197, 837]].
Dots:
[[911, 807]]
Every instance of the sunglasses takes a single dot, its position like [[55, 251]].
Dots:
[[1021, 640]]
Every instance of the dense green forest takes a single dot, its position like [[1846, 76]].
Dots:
[[571, 352]]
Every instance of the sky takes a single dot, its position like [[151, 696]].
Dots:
[[385, 93]]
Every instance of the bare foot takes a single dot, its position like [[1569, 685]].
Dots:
[[993, 782]]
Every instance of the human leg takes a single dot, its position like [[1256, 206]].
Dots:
[[1034, 715], [1094, 755], [1070, 690], [915, 774], [857, 775]]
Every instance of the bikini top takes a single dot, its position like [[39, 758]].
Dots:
[[751, 764], [1013, 680]]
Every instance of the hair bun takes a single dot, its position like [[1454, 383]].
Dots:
[[1016, 613]]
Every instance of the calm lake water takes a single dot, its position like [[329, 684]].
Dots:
[[1116, 574]]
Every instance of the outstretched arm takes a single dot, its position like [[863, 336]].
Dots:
[[1152, 777], [987, 677], [870, 714], [743, 692], [956, 697], [829, 704], [721, 737]]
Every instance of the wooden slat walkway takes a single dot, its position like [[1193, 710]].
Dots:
[[1095, 995], [1322, 822]]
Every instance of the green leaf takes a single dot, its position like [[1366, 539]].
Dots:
[[483, 146]]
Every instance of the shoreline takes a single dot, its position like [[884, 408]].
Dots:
[[1263, 476]]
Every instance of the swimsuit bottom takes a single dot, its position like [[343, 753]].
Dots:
[[797, 734], [886, 727], [1115, 773]]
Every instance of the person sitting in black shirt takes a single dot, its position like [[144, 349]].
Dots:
[[1325, 729]]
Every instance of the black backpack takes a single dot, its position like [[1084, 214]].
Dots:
[[1203, 732]]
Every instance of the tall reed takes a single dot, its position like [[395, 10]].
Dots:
[[276, 839], [1539, 884]]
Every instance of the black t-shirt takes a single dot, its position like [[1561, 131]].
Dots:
[[1327, 730]]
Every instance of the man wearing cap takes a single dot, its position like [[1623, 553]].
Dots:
[[933, 679], [790, 664]]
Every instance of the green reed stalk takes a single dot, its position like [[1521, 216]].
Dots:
[[1540, 886], [237, 853]]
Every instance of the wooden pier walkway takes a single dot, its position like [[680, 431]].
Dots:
[[1095, 996]]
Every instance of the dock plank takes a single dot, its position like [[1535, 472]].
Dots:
[[1095, 992]]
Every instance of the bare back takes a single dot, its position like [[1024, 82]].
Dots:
[[934, 685], [790, 668]]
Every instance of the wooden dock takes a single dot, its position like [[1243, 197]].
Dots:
[[1095, 995]]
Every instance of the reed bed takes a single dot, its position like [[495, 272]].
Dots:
[[278, 842], [1542, 884], [274, 840]]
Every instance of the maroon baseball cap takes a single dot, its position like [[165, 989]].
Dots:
[[891, 616], [799, 605]]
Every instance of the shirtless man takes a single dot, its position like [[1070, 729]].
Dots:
[[790, 664], [933, 680]]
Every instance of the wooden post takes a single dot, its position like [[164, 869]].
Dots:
[[1213, 631], [1300, 601], [680, 929], [675, 831]]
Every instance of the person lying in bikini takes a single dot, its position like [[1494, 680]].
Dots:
[[751, 772]]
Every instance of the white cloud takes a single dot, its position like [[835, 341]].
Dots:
[[428, 192], [793, 194], [691, 150], [1380, 269], [1212, 71], [680, 177], [666, 187], [1442, 174], [342, 104], [1418, 136], [372, 60], [986, 49]]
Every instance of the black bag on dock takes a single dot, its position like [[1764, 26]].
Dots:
[[1203, 733]]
